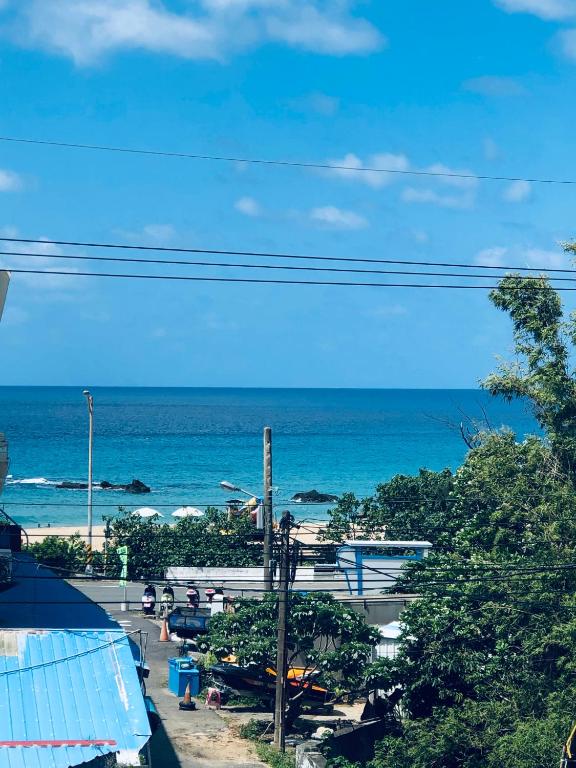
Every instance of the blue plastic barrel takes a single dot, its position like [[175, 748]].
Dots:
[[180, 673]]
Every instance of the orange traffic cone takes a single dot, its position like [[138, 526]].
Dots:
[[187, 702], [164, 636]]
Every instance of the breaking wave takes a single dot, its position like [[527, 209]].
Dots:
[[30, 481]]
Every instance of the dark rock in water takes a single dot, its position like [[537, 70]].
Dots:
[[314, 497], [137, 486]]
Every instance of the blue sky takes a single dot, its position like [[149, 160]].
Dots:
[[483, 86]]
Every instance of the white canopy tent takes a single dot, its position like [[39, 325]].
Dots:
[[147, 512], [187, 512]]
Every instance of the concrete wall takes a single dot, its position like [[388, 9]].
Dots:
[[308, 756], [222, 575]]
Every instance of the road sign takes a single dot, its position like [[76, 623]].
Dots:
[[123, 554]]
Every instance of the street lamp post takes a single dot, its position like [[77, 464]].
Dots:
[[236, 489], [90, 402]]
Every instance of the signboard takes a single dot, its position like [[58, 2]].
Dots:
[[4, 280], [123, 554]]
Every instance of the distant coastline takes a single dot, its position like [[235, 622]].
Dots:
[[183, 441]]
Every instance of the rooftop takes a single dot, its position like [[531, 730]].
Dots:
[[69, 689]]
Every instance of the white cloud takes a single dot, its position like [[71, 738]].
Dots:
[[39, 282], [550, 10], [455, 177], [491, 149], [373, 178], [337, 218], [520, 256], [412, 195], [9, 181], [517, 192], [248, 206], [314, 30], [493, 85], [568, 43], [316, 102], [493, 257], [89, 30], [161, 233], [539, 257]]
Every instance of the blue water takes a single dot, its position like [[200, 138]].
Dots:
[[183, 442]]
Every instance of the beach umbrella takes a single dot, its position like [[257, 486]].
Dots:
[[147, 512], [187, 512]]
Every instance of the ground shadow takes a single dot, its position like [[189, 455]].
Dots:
[[162, 752]]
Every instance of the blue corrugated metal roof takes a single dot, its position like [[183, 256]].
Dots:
[[68, 685]]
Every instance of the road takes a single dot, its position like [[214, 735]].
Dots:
[[198, 739], [111, 595]]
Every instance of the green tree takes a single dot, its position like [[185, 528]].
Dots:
[[542, 373], [490, 647], [419, 507], [211, 540], [66, 556], [325, 637]]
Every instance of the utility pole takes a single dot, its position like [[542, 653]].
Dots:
[[268, 518], [90, 402], [281, 654]]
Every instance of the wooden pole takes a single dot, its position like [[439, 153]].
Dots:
[[281, 655], [268, 517]]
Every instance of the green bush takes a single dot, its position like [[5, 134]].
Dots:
[[253, 729], [269, 754], [210, 541], [65, 556]]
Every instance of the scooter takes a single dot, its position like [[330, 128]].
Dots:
[[166, 605]]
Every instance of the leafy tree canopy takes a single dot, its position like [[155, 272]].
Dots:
[[405, 507], [488, 654], [212, 540], [324, 636]]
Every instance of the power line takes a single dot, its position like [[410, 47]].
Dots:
[[291, 267], [275, 255], [265, 281], [282, 163]]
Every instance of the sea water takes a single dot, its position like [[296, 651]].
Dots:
[[183, 442]]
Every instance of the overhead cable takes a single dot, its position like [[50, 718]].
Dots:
[[275, 255], [266, 281], [335, 166], [290, 267]]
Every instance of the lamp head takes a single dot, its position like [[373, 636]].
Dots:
[[228, 486]]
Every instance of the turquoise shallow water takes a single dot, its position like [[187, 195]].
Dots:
[[183, 442]]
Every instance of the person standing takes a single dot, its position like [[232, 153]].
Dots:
[[217, 604], [193, 597]]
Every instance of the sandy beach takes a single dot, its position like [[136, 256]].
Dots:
[[307, 535]]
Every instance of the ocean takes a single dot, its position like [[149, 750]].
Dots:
[[182, 442]]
